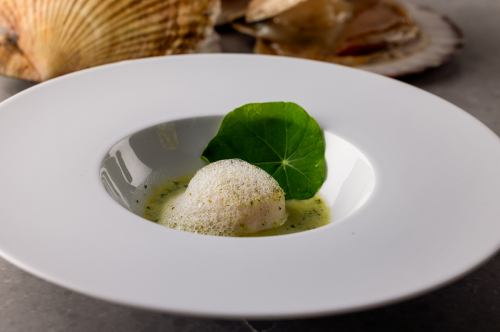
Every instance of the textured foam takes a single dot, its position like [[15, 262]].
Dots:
[[228, 197]]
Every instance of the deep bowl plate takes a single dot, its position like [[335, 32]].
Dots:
[[139, 163], [432, 216]]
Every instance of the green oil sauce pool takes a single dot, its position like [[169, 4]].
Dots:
[[303, 215]]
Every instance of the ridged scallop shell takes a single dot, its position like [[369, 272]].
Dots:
[[41, 39]]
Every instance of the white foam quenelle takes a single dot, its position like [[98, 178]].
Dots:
[[228, 197]]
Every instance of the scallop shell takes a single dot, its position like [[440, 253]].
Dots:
[[231, 10], [434, 39], [259, 10], [441, 39], [41, 39]]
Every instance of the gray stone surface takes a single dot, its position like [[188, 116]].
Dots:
[[471, 80]]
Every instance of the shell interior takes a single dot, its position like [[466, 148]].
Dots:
[[440, 40], [380, 36]]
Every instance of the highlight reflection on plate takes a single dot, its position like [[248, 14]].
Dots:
[[432, 171]]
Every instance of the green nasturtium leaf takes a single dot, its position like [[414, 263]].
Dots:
[[279, 137]]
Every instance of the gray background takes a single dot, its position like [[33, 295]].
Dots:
[[471, 81]]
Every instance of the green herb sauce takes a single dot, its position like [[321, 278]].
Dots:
[[303, 215]]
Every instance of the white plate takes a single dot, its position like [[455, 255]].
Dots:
[[433, 214]]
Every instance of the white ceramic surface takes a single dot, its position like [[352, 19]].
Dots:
[[433, 215]]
